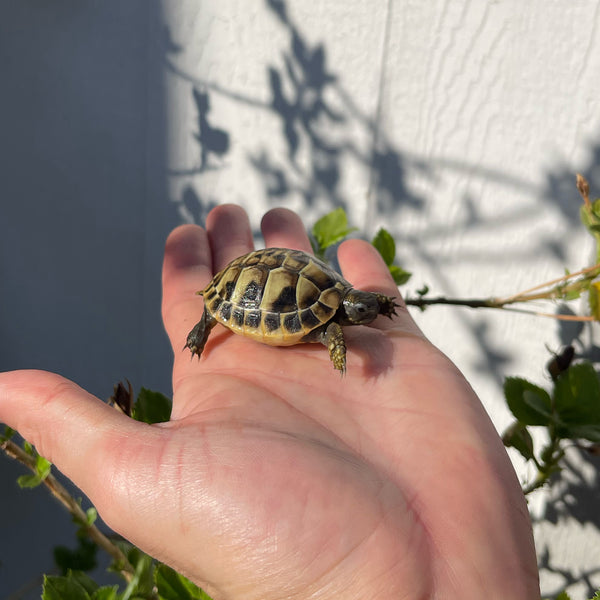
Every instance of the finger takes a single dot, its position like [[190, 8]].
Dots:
[[187, 268], [67, 425], [364, 268], [283, 228], [229, 234]]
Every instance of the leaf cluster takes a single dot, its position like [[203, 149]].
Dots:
[[145, 578], [570, 411], [152, 581], [333, 228]]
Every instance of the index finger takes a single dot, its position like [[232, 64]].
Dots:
[[187, 268]]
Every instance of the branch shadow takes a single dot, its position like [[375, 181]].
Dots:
[[575, 495], [316, 117]]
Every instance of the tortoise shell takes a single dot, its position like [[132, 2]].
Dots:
[[275, 296]]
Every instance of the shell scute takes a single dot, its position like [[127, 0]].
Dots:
[[276, 296], [331, 297], [249, 287]]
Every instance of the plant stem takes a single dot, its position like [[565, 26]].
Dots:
[[62, 495], [572, 283]]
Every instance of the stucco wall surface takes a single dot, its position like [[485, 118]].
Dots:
[[459, 126]]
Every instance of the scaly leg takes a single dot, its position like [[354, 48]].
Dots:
[[333, 338], [198, 336]]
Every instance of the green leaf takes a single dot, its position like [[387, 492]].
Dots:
[[169, 584], [385, 245], [399, 274], [63, 588], [577, 395], [86, 582], [106, 593], [82, 558], [143, 579], [594, 299], [330, 229], [42, 470], [529, 403], [91, 515], [591, 433], [518, 437], [152, 407], [28, 481], [563, 596], [173, 586], [9, 432], [42, 467], [590, 217]]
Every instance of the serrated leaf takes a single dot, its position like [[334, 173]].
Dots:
[[330, 229], [563, 596], [63, 588], [143, 578], [86, 582], [530, 404], [385, 245], [518, 437], [106, 593], [173, 586], [152, 407]]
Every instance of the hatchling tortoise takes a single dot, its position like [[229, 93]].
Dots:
[[283, 297]]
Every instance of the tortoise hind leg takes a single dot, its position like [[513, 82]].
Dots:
[[198, 336], [333, 338]]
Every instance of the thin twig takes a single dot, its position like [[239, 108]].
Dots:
[[570, 283], [553, 282], [62, 495]]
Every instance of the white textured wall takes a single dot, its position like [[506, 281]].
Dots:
[[481, 113], [458, 125]]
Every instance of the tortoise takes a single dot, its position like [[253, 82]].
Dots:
[[282, 297]]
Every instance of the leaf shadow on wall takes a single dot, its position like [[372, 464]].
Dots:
[[316, 118]]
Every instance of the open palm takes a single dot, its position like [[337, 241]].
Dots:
[[276, 478]]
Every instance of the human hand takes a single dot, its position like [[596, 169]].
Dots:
[[276, 478]]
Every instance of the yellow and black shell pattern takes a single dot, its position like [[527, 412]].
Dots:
[[275, 296]]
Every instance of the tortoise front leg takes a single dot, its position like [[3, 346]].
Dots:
[[198, 336], [387, 306], [333, 338]]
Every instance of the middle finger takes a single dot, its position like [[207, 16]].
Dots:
[[229, 234]]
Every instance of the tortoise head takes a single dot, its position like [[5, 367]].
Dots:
[[360, 308]]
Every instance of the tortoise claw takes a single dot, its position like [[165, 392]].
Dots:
[[387, 306]]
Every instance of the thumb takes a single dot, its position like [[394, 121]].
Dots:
[[73, 429]]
